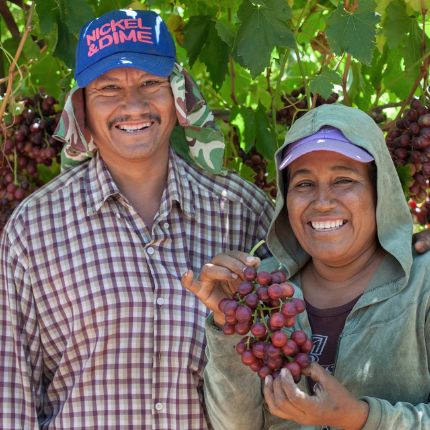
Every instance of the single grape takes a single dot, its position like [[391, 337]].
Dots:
[[236, 297], [250, 274], [275, 292], [424, 120], [415, 104], [231, 319], [299, 304], [252, 300], [274, 303], [276, 279], [288, 310], [241, 347], [415, 156], [263, 293], [230, 308], [264, 278], [221, 304], [274, 363], [245, 288], [228, 329], [11, 188], [258, 329], [423, 110], [243, 327], [299, 337], [401, 153], [259, 349], [276, 373], [279, 338], [289, 322], [248, 357], [307, 346], [264, 371], [272, 351], [294, 368], [281, 274], [243, 314], [303, 360], [297, 378], [19, 194], [257, 365], [414, 128], [277, 320], [289, 348], [287, 290]]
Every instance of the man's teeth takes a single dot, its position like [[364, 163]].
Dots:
[[328, 225], [133, 128]]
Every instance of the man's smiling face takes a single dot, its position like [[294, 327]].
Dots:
[[130, 114]]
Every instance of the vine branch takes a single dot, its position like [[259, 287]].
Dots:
[[344, 79], [9, 21]]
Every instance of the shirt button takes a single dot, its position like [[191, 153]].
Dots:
[[150, 250], [159, 406], [118, 215], [166, 225], [160, 301]]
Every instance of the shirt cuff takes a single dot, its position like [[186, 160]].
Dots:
[[375, 413]]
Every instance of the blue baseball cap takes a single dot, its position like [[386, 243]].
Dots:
[[326, 138], [138, 39]]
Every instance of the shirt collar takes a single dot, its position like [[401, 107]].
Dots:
[[100, 186]]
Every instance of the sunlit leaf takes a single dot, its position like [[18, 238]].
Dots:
[[324, 82]]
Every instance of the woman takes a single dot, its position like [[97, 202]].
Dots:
[[342, 233]]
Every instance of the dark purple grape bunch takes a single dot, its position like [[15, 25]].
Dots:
[[256, 162], [409, 144], [298, 100], [27, 143], [261, 308]]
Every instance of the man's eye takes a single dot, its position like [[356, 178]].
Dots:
[[149, 83], [110, 87]]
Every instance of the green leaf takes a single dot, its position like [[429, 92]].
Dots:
[[47, 12], [412, 52], [261, 29], [324, 83], [392, 70], [215, 54], [357, 85], [256, 126], [75, 13], [66, 45], [31, 49], [196, 32], [108, 5], [404, 175], [242, 169], [226, 31], [355, 32], [398, 24]]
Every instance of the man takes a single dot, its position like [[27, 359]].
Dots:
[[96, 330]]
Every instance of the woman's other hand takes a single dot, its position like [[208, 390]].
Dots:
[[421, 241], [332, 404], [219, 279]]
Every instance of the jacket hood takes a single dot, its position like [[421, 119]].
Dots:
[[394, 222]]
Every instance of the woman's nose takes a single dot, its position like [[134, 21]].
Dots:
[[324, 200]]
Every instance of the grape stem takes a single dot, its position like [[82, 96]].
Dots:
[[15, 167], [344, 79], [256, 247]]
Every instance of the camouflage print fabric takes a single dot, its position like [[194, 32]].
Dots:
[[204, 139]]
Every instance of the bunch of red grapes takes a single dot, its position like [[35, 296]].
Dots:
[[409, 144], [261, 308], [26, 143]]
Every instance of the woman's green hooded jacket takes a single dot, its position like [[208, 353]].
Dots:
[[383, 351]]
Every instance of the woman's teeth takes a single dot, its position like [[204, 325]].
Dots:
[[327, 225], [133, 128]]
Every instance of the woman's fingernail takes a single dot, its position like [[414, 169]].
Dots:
[[185, 274], [267, 379], [234, 276], [250, 259], [284, 373]]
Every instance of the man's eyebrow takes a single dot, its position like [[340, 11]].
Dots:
[[337, 168]]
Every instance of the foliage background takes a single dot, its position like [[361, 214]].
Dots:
[[245, 55]]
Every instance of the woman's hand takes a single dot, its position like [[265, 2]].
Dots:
[[332, 404], [421, 241], [219, 279]]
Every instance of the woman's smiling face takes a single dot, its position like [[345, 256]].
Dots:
[[331, 205]]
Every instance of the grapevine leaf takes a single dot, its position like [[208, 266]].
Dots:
[[196, 33], [323, 84], [215, 54], [355, 32], [415, 5], [242, 169], [75, 13], [47, 14], [66, 45], [31, 49], [404, 176], [226, 31], [108, 5], [256, 127], [392, 70], [412, 52], [398, 24], [271, 170], [261, 29]]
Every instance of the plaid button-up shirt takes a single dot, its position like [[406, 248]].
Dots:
[[97, 331]]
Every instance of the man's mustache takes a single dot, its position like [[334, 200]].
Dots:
[[126, 118]]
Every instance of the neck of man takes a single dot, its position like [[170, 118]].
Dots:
[[327, 286], [141, 182]]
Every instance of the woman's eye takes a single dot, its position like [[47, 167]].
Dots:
[[304, 184], [344, 181]]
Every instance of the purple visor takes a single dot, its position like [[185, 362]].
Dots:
[[326, 139]]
